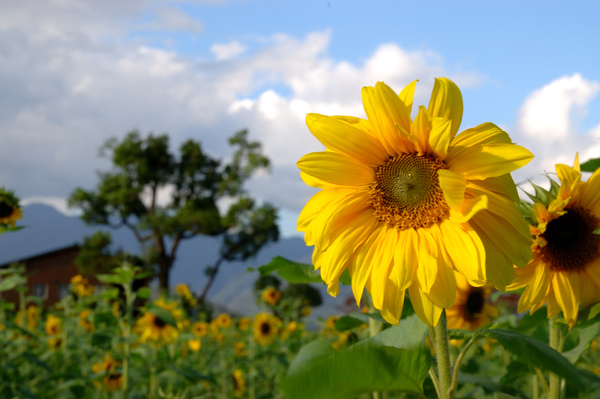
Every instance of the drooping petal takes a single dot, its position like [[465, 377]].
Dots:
[[537, 288], [427, 311], [382, 262], [318, 210], [466, 251], [336, 168], [479, 162], [453, 185], [428, 262], [523, 274], [362, 265], [566, 297], [384, 110], [346, 139], [446, 102], [406, 259], [317, 183], [393, 302], [443, 291], [470, 207]]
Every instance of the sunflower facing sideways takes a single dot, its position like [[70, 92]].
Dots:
[[471, 309], [10, 211], [405, 203], [564, 271]]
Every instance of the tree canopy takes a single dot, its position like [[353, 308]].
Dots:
[[197, 186]]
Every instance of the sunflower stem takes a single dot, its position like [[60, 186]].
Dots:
[[543, 381], [459, 360], [435, 382], [555, 343], [442, 354]]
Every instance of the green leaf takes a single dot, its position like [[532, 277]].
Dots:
[[10, 282], [396, 359], [164, 315], [348, 323], [460, 334], [143, 293], [345, 278], [102, 340], [536, 353], [586, 336], [292, 272], [591, 165], [106, 317], [111, 279], [192, 375]]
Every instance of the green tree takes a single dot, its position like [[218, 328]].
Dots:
[[143, 168]]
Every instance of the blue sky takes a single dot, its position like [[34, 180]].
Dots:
[[76, 73]]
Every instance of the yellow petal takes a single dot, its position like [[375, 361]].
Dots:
[[470, 207], [486, 133], [453, 185], [522, 275], [420, 130], [314, 182], [427, 311], [361, 265], [503, 186], [482, 161], [590, 194], [382, 262], [346, 139], [443, 291], [566, 297], [406, 97], [537, 288], [384, 110], [393, 303], [446, 102], [406, 259], [440, 136], [466, 251], [336, 168], [428, 264]]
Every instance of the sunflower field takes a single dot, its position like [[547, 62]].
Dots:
[[463, 289]]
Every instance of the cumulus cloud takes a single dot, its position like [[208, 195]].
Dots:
[[549, 125], [72, 77]]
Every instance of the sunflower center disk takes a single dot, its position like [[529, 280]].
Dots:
[[474, 305], [572, 243], [406, 192], [5, 210]]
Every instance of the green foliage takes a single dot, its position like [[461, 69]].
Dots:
[[397, 359], [292, 272], [590, 165]]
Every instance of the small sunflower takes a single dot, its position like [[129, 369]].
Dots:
[[200, 329], [244, 323], [222, 321], [404, 203], [53, 325], [271, 295], [240, 348], [152, 328], [239, 384], [10, 211], [564, 271], [195, 344], [85, 321], [471, 308], [55, 342], [266, 327]]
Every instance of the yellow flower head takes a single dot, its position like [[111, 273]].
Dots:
[[471, 308], [244, 323], [10, 211], [271, 295], [222, 321], [153, 329], [564, 271], [85, 322], [239, 348], [266, 327], [195, 344], [306, 311], [53, 325], [239, 385], [81, 286], [106, 365], [406, 202], [200, 328], [182, 289], [55, 342]]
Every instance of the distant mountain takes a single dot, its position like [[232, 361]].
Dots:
[[47, 229]]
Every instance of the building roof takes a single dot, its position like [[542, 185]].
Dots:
[[42, 255]]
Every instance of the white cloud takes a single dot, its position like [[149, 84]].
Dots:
[[227, 51], [552, 112], [72, 80]]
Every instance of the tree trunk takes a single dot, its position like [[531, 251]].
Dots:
[[163, 275]]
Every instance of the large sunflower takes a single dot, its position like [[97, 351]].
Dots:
[[471, 308], [564, 271], [405, 202]]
